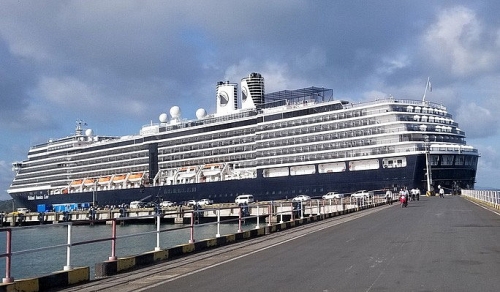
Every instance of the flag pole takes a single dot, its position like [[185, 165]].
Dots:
[[426, 87]]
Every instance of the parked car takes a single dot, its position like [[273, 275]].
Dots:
[[204, 202], [149, 205], [23, 210], [136, 205], [363, 194], [301, 198], [191, 203], [332, 195], [167, 204], [244, 199]]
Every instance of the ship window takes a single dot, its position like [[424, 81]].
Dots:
[[434, 160], [447, 160]]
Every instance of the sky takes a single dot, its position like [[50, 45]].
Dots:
[[117, 65]]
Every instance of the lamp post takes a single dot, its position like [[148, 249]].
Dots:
[[427, 165]]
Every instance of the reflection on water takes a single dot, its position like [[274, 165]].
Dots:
[[44, 262]]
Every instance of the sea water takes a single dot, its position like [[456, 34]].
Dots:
[[43, 262]]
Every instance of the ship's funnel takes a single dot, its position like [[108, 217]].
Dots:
[[252, 91], [227, 97]]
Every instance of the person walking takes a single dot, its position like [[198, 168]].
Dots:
[[388, 197], [406, 194], [403, 197]]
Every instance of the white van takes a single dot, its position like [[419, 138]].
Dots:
[[244, 199], [136, 204], [167, 204]]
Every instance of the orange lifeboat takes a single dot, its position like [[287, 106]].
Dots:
[[76, 182], [119, 178], [104, 180], [135, 176], [89, 181], [212, 165]]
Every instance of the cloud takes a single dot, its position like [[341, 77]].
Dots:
[[374, 95], [459, 41], [68, 92], [391, 65], [277, 76], [6, 177], [477, 121], [488, 172], [16, 79]]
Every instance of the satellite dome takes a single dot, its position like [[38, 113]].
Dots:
[[163, 118], [89, 132], [175, 112], [201, 113]]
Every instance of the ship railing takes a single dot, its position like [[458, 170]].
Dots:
[[393, 100], [248, 217], [207, 120]]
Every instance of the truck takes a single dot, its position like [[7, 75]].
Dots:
[[43, 208], [69, 207]]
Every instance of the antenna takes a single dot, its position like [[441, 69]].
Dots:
[[79, 128], [428, 86]]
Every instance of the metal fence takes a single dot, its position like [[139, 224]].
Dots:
[[490, 197], [270, 212]]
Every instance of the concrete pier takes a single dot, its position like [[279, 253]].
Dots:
[[178, 215]]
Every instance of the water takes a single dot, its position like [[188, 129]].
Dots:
[[44, 262]]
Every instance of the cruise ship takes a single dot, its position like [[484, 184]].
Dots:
[[273, 146]]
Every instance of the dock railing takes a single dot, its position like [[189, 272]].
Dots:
[[489, 197], [269, 211]]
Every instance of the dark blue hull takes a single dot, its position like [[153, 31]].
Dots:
[[275, 188]]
